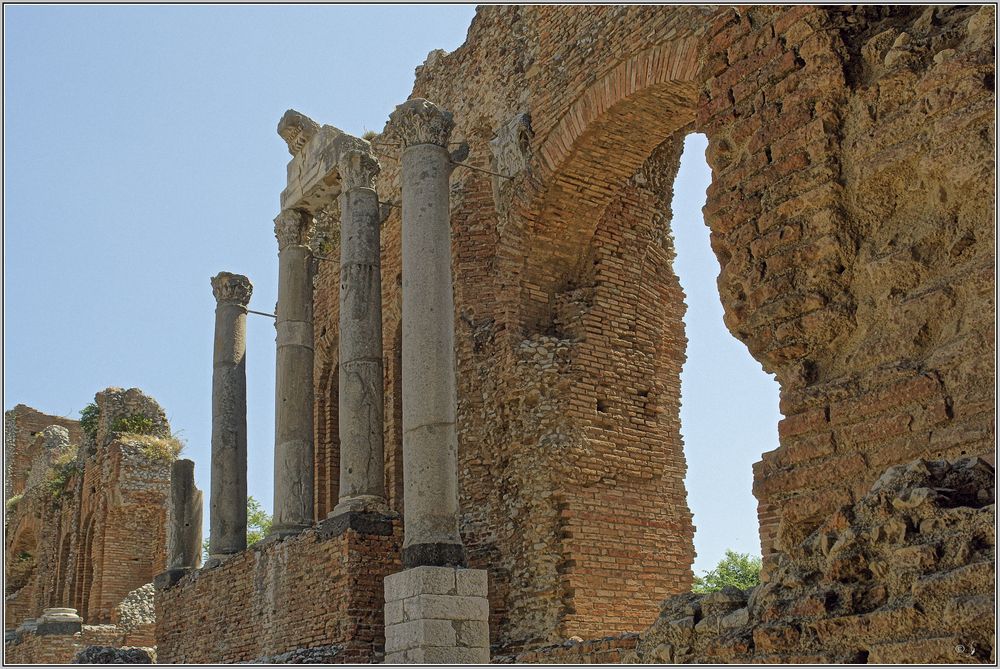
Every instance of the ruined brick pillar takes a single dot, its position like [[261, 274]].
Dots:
[[227, 507], [184, 525], [430, 441], [362, 458], [293, 415]]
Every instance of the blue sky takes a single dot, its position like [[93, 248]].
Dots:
[[141, 158]]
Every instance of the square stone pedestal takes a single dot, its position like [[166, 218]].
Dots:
[[437, 615]]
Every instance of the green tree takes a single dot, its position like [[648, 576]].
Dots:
[[258, 525], [741, 570], [258, 521]]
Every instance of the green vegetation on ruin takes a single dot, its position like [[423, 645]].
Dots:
[[740, 570]]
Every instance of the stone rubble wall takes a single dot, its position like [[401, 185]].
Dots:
[[906, 574], [279, 600]]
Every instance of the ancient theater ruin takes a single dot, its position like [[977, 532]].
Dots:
[[86, 526], [479, 341]]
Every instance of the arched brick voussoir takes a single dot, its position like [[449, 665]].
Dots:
[[600, 142]]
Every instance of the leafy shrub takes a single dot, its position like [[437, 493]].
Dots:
[[89, 418], [737, 569]]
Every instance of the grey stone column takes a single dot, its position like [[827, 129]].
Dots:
[[184, 537], [228, 505], [430, 441], [293, 414], [362, 458]]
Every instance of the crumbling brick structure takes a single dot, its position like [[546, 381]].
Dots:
[[86, 524], [851, 211]]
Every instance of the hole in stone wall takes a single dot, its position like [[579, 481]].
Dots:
[[602, 406], [729, 405]]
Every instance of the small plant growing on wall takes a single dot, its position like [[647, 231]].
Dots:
[[12, 503], [133, 424], [64, 467]]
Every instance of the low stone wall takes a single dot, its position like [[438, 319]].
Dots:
[[907, 574], [321, 590], [618, 649], [32, 648]]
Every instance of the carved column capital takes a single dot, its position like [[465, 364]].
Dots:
[[420, 121], [292, 226], [233, 288], [358, 169]]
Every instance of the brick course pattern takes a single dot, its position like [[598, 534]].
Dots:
[[850, 211], [306, 592]]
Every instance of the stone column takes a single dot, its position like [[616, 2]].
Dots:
[[293, 414], [184, 534], [228, 504], [362, 461], [430, 441]]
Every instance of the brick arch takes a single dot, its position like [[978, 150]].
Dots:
[[603, 138], [326, 455]]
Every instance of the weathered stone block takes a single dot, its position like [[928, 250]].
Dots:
[[440, 656], [394, 612], [472, 582], [472, 633], [420, 581], [446, 607], [419, 634]]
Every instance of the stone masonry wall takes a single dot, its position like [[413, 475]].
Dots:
[[906, 574], [278, 598]]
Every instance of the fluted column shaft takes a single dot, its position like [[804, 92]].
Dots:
[[228, 510], [430, 441], [362, 458], [293, 415]]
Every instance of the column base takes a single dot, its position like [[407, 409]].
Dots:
[[433, 555], [360, 504], [359, 521], [282, 531], [437, 615], [169, 578]]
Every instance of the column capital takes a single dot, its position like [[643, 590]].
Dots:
[[292, 226], [420, 121], [232, 288], [358, 169]]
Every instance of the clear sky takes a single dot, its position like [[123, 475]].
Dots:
[[141, 158]]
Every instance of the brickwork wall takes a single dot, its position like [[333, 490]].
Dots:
[[99, 535], [307, 591], [568, 316], [33, 648]]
